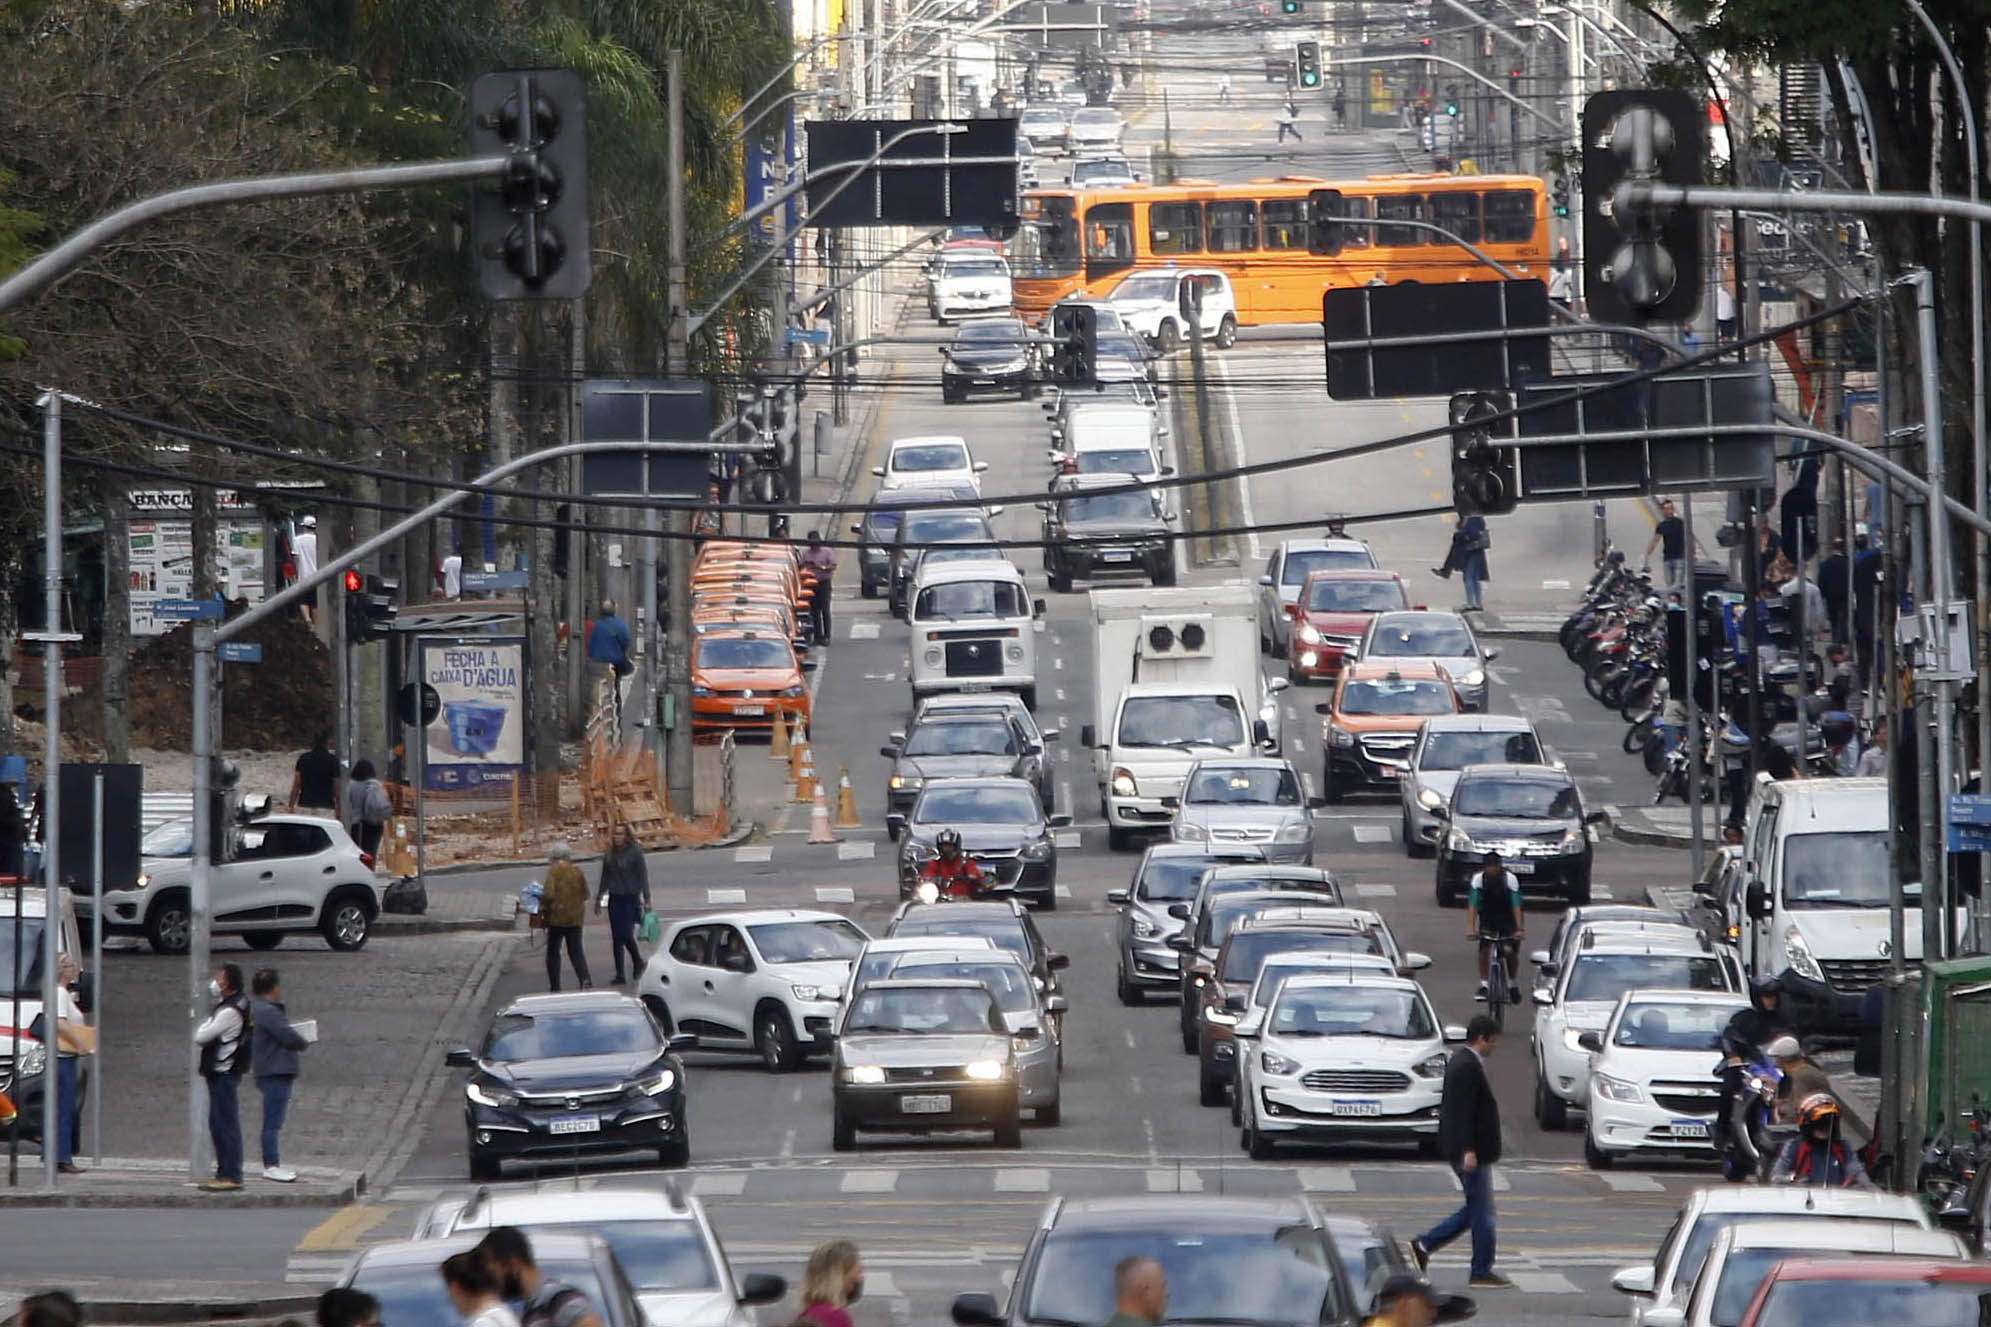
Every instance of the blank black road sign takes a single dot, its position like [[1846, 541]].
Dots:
[[642, 411], [938, 195], [1441, 364]]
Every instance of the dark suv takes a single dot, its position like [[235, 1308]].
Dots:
[[1089, 533], [1532, 815]]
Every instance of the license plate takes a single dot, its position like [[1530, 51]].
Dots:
[[575, 1124], [1520, 868], [1690, 1129], [749, 709], [976, 686], [1116, 557], [936, 1103], [1355, 1109], [1388, 771]]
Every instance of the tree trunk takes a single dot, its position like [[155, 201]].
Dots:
[[114, 682]]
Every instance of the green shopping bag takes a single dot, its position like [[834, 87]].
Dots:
[[647, 929]]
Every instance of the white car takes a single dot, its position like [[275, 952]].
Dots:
[[1579, 998], [1110, 438], [1443, 639], [1340, 1056], [1654, 1069], [1446, 744], [1286, 571], [1033, 1018], [1156, 304], [1103, 173], [291, 875], [663, 1240], [1044, 126], [765, 981], [1742, 1255], [1707, 1212], [968, 283], [1095, 129], [1026, 163], [940, 461]]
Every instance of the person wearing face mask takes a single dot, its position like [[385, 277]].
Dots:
[[542, 1300], [833, 1282], [224, 1057]]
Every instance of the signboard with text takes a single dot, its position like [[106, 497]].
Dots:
[[480, 737]]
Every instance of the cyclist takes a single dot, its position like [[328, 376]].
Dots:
[[1493, 910], [952, 872]]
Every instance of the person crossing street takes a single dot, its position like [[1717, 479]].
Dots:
[[1469, 1138]]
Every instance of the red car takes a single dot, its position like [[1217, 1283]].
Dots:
[[1859, 1292], [1331, 612]]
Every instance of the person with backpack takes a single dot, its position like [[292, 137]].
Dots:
[[224, 1057], [368, 807], [543, 1301]]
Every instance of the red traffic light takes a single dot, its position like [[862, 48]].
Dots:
[[352, 582]]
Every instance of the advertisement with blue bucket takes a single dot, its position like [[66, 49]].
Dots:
[[479, 738]]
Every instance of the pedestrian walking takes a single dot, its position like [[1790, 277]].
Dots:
[[832, 1282], [1223, 89], [1469, 1138], [274, 1044], [1669, 535], [566, 904], [625, 892], [314, 785], [1872, 763], [820, 559], [1289, 122], [1562, 275], [74, 1039], [544, 1301], [367, 807], [346, 1307], [1467, 556], [473, 1282], [1725, 323], [224, 1055], [608, 645], [304, 558], [1140, 1292]]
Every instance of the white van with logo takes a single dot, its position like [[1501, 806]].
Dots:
[[1111, 438], [974, 628]]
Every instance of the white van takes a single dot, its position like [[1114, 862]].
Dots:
[[1814, 884], [974, 628], [1111, 438]]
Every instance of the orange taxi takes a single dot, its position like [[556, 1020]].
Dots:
[[740, 677], [1373, 720]]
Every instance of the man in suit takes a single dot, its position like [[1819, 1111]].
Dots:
[[1469, 1137]]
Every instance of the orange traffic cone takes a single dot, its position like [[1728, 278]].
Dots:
[[798, 748], [777, 742], [846, 800], [806, 787], [819, 819]]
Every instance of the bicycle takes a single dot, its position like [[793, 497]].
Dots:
[[1499, 985]]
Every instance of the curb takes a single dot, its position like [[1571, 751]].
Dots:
[[1521, 633], [1646, 835], [421, 925], [348, 1190]]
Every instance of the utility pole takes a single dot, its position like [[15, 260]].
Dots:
[[677, 550], [575, 679]]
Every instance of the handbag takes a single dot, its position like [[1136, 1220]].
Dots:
[[623, 667], [648, 928]]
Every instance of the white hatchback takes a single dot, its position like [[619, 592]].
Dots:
[[940, 461], [1157, 303], [968, 283]]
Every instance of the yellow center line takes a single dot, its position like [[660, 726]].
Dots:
[[342, 1230]]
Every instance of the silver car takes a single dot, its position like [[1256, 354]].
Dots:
[[1152, 910], [1033, 1017], [1443, 639], [1259, 802], [923, 1056], [1446, 744]]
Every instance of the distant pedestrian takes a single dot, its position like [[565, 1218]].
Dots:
[[1469, 1138], [1802, 1076], [74, 1039], [1562, 275], [1872, 763], [1467, 556], [1835, 583], [820, 559], [1289, 122], [543, 1301], [273, 1048], [49, 1308], [566, 910], [314, 786], [1223, 89], [304, 557], [224, 1054], [1140, 1292], [346, 1307], [1340, 109], [1726, 324], [1669, 535], [625, 892], [608, 645], [473, 1282], [368, 807], [832, 1282], [450, 573]]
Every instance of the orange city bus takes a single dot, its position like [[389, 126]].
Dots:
[[1083, 243]]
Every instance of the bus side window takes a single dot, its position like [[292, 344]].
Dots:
[[1510, 216], [1399, 207], [1285, 222], [1233, 227], [1175, 228], [1458, 213]]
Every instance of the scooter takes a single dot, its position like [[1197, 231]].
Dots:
[[1749, 1141]]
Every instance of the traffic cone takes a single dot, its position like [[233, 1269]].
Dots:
[[819, 819], [846, 800], [806, 787], [777, 742], [798, 748]]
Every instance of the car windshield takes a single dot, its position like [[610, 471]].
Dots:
[[1235, 785], [744, 652], [1096, 117], [945, 804], [1430, 639], [819, 941], [1836, 870], [1002, 932], [1352, 1011], [931, 456], [1384, 695], [1456, 750], [1354, 596], [962, 737], [1605, 977], [1269, 1275], [1845, 1302], [979, 270], [959, 599], [174, 838], [655, 1255], [412, 1294], [1741, 1274], [1171, 879], [1038, 116], [1672, 1027], [883, 522], [1249, 949], [989, 335], [1303, 562], [1117, 461], [961, 553], [1516, 799], [548, 1036], [1281, 966], [1004, 978], [1136, 505], [1700, 1238], [23, 938], [945, 527], [923, 1010], [1090, 171], [1145, 286], [1186, 722]]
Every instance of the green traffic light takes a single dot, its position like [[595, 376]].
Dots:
[[1310, 79], [1289, 6], [1451, 108]]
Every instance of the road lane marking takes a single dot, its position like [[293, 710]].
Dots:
[[835, 893], [1325, 1179], [1023, 1179], [1058, 663], [1371, 833], [718, 1185], [1375, 891], [1555, 585], [1130, 1037], [856, 850], [869, 1181], [1602, 892], [753, 852], [341, 1231], [1501, 1184], [861, 630], [1062, 891], [787, 1145], [881, 1284], [1184, 1180], [1135, 1084], [1240, 460], [1542, 1283], [726, 895], [1619, 1181], [1066, 838], [1059, 693]]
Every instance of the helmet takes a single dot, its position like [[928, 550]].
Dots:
[[1761, 986], [947, 838], [1815, 1108]]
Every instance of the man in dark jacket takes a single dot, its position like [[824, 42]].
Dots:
[[1469, 1138], [273, 1048]]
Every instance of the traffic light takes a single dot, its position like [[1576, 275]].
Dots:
[[1514, 80], [1641, 264], [1485, 477], [1452, 100], [1559, 196], [1306, 59], [1075, 356], [370, 607], [529, 230], [1289, 6]]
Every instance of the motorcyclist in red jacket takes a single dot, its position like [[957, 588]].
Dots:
[[952, 872]]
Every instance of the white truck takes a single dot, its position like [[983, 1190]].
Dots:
[[1176, 679]]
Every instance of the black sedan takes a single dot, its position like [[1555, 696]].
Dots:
[[1105, 533], [562, 1074], [1003, 827], [993, 356], [1532, 815], [959, 746], [922, 529]]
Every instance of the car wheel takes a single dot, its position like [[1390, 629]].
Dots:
[[1049, 1116], [1237, 1106], [485, 1169], [675, 1156], [1594, 1156], [263, 939], [1579, 888], [1257, 1145], [1049, 902], [1188, 1032], [1060, 583], [1330, 791], [1118, 840], [1209, 1087], [1166, 337], [869, 589], [1427, 1147], [1448, 893], [774, 1038], [1164, 573], [659, 1011], [1227, 333], [1028, 695], [1009, 1131], [1551, 1111], [1130, 994], [169, 926], [347, 922], [1414, 846], [949, 395], [843, 1134], [891, 831]]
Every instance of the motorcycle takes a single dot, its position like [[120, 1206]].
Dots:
[[1750, 1141], [958, 891]]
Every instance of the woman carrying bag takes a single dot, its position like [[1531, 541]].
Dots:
[[625, 892], [367, 807]]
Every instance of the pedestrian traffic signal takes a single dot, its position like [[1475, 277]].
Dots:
[[1075, 356], [1452, 100], [1485, 477], [529, 229], [1306, 59], [1641, 263], [370, 607], [1559, 196]]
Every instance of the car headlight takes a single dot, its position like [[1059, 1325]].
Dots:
[[864, 1073], [1458, 841], [144, 879], [1574, 841], [1430, 798], [1014, 654], [1309, 658], [1145, 929], [1475, 677], [1572, 1039], [1297, 832], [701, 691], [1190, 832], [901, 782], [1037, 851], [1277, 1065], [1434, 1067], [1123, 784], [1339, 736], [933, 657], [790, 693], [1309, 633], [987, 1071], [1221, 1017], [1616, 1089], [34, 1061], [1012, 366], [662, 1082], [485, 1095], [815, 993], [1799, 954]]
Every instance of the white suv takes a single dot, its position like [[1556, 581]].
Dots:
[[766, 981], [1653, 1074], [292, 875], [1156, 304], [663, 1240]]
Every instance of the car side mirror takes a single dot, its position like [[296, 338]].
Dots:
[[1260, 733], [1169, 517], [1590, 1041], [1441, 813], [460, 1058], [680, 1042], [1323, 707], [857, 529], [1051, 734], [1635, 1281], [878, 470], [1490, 653], [1037, 609], [1413, 962], [1277, 684], [762, 1288], [1120, 897], [1705, 888], [1168, 470], [996, 510], [1315, 803], [1170, 803], [896, 738], [976, 1308], [1179, 911], [1665, 1317], [1088, 736], [1058, 821], [889, 752], [1539, 957], [1057, 962], [1455, 1033], [895, 825], [1544, 997], [1057, 1004], [981, 466], [1265, 580], [1758, 900]]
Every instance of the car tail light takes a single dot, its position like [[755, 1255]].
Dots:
[[366, 860]]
